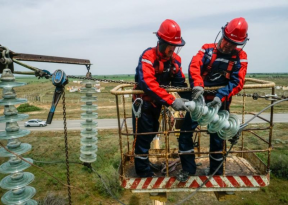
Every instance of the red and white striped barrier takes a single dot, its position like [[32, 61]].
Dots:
[[196, 181]]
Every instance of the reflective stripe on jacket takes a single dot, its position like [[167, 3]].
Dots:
[[149, 81]]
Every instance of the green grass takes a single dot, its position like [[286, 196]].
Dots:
[[49, 146]]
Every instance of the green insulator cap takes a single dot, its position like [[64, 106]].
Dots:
[[89, 149], [21, 149], [11, 84], [15, 164], [17, 180], [89, 158], [13, 135], [18, 196], [88, 140], [13, 118], [89, 107], [13, 101], [93, 115]]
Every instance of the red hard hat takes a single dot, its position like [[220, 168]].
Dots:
[[170, 32], [236, 31]]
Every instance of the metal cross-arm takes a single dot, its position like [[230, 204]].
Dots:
[[16, 57]]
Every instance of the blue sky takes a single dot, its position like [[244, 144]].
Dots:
[[112, 34]]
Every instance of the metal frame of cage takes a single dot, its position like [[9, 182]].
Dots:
[[217, 183]]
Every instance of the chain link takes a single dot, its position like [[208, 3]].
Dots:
[[66, 147]]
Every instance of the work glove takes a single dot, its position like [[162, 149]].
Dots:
[[179, 104], [215, 103], [196, 92]]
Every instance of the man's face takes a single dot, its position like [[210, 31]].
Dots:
[[169, 50], [226, 47]]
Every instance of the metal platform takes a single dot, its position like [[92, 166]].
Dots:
[[247, 173], [243, 170]]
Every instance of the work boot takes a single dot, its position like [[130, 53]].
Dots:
[[183, 176]]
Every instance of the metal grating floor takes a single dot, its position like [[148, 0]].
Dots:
[[234, 166]]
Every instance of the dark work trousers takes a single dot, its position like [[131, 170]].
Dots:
[[148, 122], [186, 145]]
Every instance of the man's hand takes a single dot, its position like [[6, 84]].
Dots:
[[216, 102], [179, 104], [196, 92]]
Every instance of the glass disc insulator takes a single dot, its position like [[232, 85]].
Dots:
[[18, 196], [17, 180], [23, 148], [199, 108], [13, 135], [88, 158], [206, 119], [14, 101], [88, 107], [88, 124], [15, 165], [13, 118], [11, 84], [234, 123], [88, 140], [214, 127], [89, 149], [93, 115], [88, 90], [88, 99]]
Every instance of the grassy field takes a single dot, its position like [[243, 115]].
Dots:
[[106, 101], [49, 147]]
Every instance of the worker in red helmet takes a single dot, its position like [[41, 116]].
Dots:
[[157, 66], [217, 64]]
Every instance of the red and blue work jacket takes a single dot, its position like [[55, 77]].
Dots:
[[209, 67], [150, 75]]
